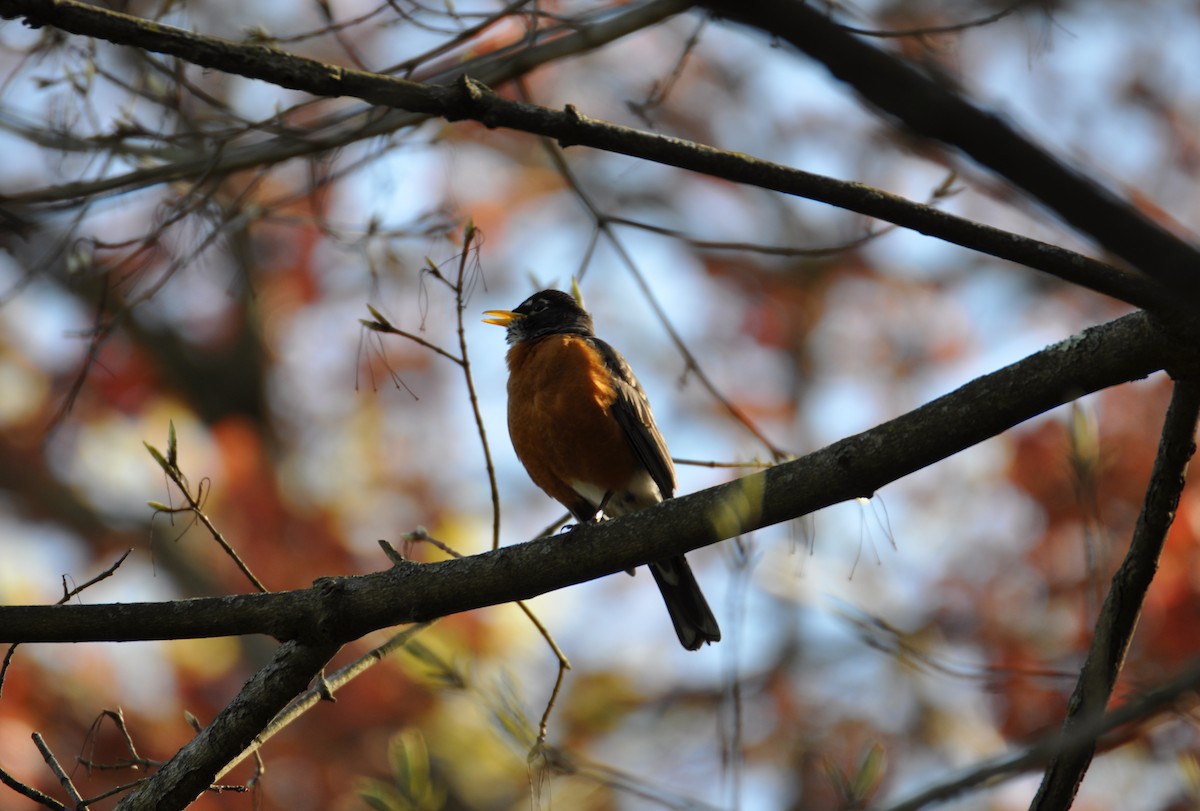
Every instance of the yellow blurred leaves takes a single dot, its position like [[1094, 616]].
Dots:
[[739, 508], [206, 659]]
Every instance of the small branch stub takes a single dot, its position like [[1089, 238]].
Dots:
[[468, 99], [575, 121]]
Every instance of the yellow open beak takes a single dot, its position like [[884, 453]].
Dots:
[[501, 318]]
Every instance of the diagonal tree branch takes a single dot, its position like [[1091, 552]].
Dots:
[[931, 109], [1069, 751], [194, 767], [1123, 605], [345, 608], [468, 99], [323, 135], [1170, 696]]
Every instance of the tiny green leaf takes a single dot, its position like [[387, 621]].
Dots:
[[158, 457]]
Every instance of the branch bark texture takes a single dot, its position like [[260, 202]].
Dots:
[[194, 767]]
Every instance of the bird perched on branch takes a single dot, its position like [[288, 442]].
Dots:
[[581, 424]]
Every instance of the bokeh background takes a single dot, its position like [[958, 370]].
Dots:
[[868, 650]]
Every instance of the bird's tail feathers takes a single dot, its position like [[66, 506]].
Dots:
[[694, 622]]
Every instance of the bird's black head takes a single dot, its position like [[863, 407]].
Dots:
[[550, 312]]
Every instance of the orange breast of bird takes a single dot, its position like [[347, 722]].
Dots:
[[560, 398]]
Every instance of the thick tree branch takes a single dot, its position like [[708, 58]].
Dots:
[[1123, 605], [342, 609], [931, 109], [468, 99], [194, 767]]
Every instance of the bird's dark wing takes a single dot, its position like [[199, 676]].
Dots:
[[632, 412]]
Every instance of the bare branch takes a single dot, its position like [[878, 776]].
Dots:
[[195, 504], [67, 595], [927, 30], [1083, 735], [63, 778], [30, 792], [461, 289], [327, 687], [346, 608], [469, 99], [194, 767], [1123, 605], [380, 323], [689, 357], [329, 133], [931, 109]]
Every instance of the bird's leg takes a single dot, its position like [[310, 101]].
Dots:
[[588, 515], [600, 516], [604, 503]]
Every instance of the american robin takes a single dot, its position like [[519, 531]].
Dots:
[[581, 424]]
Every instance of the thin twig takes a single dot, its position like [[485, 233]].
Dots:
[[660, 90], [135, 761], [460, 300], [949, 28], [67, 595], [104, 575], [63, 778], [421, 536], [381, 324], [30, 792], [195, 503], [754, 464], [408, 65], [326, 686], [554, 151], [942, 191], [748, 247], [563, 666]]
